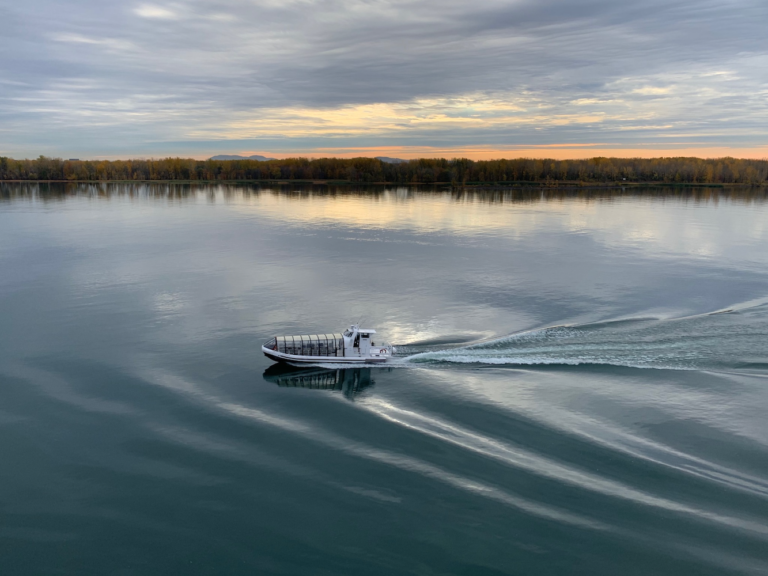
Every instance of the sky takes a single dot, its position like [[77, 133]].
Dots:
[[402, 78]]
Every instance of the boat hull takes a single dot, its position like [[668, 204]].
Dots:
[[295, 359]]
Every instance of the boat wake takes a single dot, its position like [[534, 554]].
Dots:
[[736, 338]]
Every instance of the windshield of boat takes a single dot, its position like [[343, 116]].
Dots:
[[347, 332]]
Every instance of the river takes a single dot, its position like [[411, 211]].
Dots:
[[580, 384]]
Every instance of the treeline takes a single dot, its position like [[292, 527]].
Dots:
[[422, 171]]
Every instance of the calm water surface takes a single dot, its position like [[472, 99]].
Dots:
[[581, 384]]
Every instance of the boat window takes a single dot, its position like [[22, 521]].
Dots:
[[357, 341]]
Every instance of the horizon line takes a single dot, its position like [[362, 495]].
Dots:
[[545, 152]]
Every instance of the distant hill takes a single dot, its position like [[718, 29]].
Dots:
[[390, 160], [235, 157], [386, 159]]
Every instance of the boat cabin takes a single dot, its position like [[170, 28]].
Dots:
[[358, 341]]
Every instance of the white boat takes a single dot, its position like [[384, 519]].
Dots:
[[354, 346]]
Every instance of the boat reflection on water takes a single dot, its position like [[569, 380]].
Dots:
[[350, 381]]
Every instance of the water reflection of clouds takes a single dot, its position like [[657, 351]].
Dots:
[[676, 228], [166, 303], [438, 262], [679, 227], [425, 213]]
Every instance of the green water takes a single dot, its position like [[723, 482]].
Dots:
[[580, 387]]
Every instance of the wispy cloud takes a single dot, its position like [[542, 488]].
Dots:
[[154, 11], [109, 43]]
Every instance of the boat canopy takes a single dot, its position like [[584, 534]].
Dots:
[[311, 345]]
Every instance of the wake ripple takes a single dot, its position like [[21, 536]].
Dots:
[[730, 339]]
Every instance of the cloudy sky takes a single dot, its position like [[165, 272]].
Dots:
[[406, 78]]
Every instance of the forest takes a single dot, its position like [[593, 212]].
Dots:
[[459, 171]]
